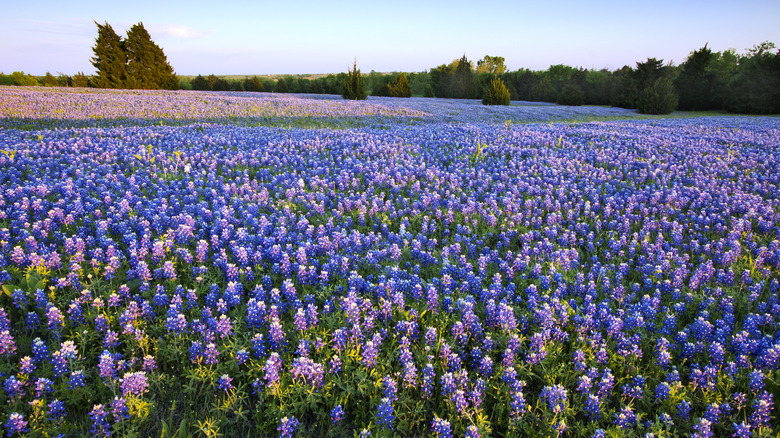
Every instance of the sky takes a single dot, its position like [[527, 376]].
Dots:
[[313, 37]]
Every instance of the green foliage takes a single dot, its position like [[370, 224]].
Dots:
[[200, 83], [543, 91], [147, 65], [491, 64], [281, 86], [253, 84], [659, 98], [21, 79], [353, 85], [429, 91], [136, 62], [399, 87], [570, 94], [755, 88], [6, 79], [110, 59], [695, 85], [50, 81], [497, 94], [79, 80], [455, 80]]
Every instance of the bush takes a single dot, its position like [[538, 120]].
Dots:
[[659, 98], [497, 94], [570, 94]]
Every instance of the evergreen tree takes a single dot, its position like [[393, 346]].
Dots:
[[281, 86], [695, 85], [49, 80], [200, 83], [570, 94], [147, 65], [80, 80], [253, 84], [353, 85], [399, 87], [462, 82], [497, 94], [110, 58], [658, 98]]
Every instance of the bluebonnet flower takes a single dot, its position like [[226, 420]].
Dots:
[[16, 424], [223, 383], [441, 428], [134, 383], [100, 424], [337, 414], [76, 379], [287, 427], [742, 430], [56, 409], [555, 397], [385, 414]]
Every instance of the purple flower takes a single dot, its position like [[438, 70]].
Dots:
[[441, 428], [223, 383], [385, 414], [16, 424], [555, 397], [134, 383], [100, 425], [287, 427], [337, 414]]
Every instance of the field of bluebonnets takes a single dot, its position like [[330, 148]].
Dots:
[[187, 263]]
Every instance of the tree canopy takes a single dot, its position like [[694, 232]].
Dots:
[[135, 62]]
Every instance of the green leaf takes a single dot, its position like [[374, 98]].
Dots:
[[8, 289]]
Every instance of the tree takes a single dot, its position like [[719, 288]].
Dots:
[[24, 80], [49, 80], [696, 82], [497, 94], [281, 86], [147, 65], [353, 85], [253, 84], [570, 94], [80, 80], [399, 87], [543, 91], [110, 58], [755, 88], [659, 98], [463, 79], [200, 83], [491, 64]]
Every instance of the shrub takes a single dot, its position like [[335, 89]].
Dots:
[[659, 98], [496, 94], [570, 94]]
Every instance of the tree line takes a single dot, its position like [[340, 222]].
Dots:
[[707, 80]]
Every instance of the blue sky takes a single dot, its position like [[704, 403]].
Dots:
[[264, 37]]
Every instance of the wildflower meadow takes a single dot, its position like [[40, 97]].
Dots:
[[253, 264]]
